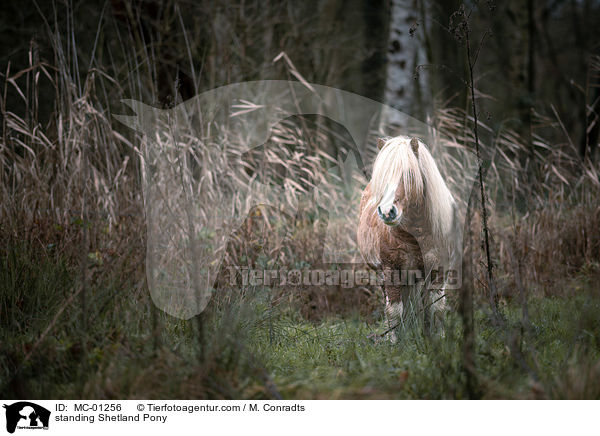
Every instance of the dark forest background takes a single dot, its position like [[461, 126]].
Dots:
[[538, 55]]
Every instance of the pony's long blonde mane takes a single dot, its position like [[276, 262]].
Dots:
[[397, 163]]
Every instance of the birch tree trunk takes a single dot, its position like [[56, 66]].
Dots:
[[404, 89]]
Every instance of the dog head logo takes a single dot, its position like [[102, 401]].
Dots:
[[26, 415]]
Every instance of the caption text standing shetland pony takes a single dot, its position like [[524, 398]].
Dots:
[[407, 215]]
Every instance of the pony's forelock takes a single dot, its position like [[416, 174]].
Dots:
[[396, 163]]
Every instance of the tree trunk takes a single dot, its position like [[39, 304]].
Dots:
[[405, 52]]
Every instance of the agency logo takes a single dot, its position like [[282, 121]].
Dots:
[[208, 162], [26, 415]]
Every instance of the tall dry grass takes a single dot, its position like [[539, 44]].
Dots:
[[543, 200], [74, 183]]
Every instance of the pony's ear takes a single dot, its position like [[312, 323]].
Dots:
[[414, 144], [381, 143]]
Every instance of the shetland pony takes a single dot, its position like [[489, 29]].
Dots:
[[406, 222]]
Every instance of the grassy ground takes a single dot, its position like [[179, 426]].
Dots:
[[335, 359], [252, 349]]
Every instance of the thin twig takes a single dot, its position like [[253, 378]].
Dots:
[[471, 63]]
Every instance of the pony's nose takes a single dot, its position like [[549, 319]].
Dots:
[[391, 215]]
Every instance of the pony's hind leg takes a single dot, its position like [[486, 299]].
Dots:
[[439, 307]]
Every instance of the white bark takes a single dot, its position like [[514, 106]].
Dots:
[[405, 53]]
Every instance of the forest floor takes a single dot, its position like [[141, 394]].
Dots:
[[250, 349]]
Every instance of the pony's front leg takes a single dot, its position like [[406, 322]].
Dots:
[[394, 309]]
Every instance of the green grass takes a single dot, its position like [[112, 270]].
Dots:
[[252, 349], [336, 359]]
